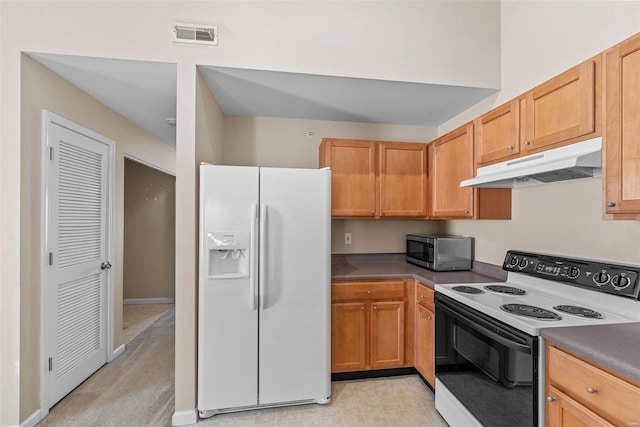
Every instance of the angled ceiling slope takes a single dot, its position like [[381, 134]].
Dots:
[[142, 91], [245, 92]]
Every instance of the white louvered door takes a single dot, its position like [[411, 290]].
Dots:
[[77, 222]]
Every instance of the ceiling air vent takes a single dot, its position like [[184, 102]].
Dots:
[[195, 33]]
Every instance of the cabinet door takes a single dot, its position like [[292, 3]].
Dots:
[[424, 343], [452, 163], [353, 176], [403, 180], [560, 109], [387, 334], [562, 411], [348, 337], [622, 131], [498, 133]]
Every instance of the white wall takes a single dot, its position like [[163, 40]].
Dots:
[[539, 41], [379, 40]]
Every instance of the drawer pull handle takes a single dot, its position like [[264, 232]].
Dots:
[[592, 390], [551, 399]]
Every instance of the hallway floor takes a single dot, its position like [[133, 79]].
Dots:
[[137, 389]]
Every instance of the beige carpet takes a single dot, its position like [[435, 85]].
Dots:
[[137, 317], [136, 389]]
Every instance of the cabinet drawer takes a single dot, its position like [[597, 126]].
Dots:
[[367, 290], [605, 394], [424, 295]]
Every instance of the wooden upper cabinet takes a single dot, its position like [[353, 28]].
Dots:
[[353, 176], [403, 180], [497, 133], [622, 131], [562, 109], [374, 179], [452, 162]]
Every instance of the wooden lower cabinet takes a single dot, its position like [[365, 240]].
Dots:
[[425, 328], [387, 334], [367, 335], [348, 337], [425, 332], [562, 411], [581, 394], [369, 325]]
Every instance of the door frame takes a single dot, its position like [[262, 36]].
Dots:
[[48, 119]]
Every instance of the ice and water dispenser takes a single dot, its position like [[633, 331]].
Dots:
[[228, 254]]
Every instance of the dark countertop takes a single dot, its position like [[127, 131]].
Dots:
[[613, 347], [394, 266]]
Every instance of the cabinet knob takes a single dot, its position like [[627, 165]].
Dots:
[[510, 147], [592, 390], [422, 296], [527, 143], [369, 292], [551, 399], [610, 204], [384, 212], [375, 307], [429, 317], [466, 211], [372, 213]]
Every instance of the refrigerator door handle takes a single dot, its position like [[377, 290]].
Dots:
[[262, 262], [252, 258]]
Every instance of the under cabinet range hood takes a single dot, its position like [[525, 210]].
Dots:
[[579, 160]]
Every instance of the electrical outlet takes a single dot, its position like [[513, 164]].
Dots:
[[347, 238]]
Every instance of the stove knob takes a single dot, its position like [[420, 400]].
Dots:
[[523, 263], [573, 272], [620, 282], [601, 278], [513, 262]]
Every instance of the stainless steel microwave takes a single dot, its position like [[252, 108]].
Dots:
[[439, 252]]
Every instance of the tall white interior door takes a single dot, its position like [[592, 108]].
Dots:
[[76, 271]]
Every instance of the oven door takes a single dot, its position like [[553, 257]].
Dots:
[[485, 365]]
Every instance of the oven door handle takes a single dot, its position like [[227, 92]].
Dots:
[[480, 325]]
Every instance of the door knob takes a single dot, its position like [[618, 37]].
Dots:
[[105, 266]]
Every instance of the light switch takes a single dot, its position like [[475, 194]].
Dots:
[[347, 238]]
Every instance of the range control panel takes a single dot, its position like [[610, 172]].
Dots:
[[597, 275]]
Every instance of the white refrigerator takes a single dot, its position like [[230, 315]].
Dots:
[[264, 317]]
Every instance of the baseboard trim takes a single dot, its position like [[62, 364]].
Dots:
[[33, 419], [115, 353], [183, 418], [150, 301], [378, 373]]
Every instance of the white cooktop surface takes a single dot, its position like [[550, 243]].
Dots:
[[546, 294]]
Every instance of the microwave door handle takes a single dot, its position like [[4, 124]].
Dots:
[[474, 323]]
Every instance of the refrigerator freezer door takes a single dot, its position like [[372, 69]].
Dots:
[[227, 322], [295, 311]]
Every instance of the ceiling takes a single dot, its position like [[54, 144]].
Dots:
[[145, 93]]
